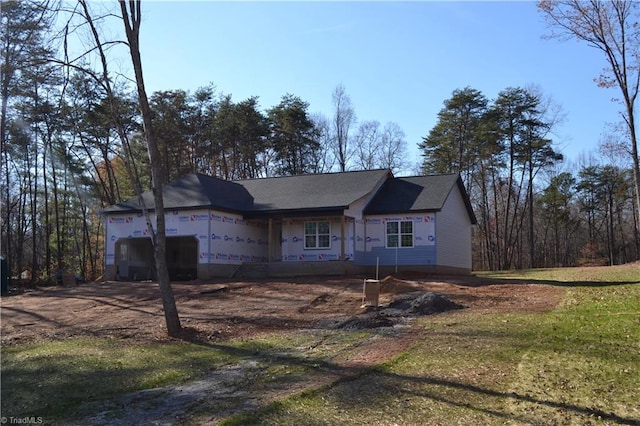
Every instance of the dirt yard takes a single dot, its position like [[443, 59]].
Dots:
[[218, 311], [221, 310]]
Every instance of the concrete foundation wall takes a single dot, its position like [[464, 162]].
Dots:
[[293, 269], [418, 269], [216, 270], [289, 269], [110, 273]]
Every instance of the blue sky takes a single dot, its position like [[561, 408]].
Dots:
[[397, 60]]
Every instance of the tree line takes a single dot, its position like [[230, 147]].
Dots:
[[532, 210], [74, 142], [73, 138]]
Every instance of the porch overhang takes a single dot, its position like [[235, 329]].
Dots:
[[295, 213]]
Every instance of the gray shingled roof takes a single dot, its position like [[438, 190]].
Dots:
[[418, 193], [312, 192], [330, 191], [194, 191]]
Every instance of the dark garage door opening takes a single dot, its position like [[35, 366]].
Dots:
[[182, 258], [135, 259]]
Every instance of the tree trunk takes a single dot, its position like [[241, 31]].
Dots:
[[611, 239], [636, 162], [33, 188], [532, 251], [47, 218], [132, 28], [56, 207]]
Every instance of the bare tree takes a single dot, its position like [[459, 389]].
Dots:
[[611, 27], [377, 147], [132, 16], [23, 75], [323, 157], [393, 148], [343, 118], [367, 145]]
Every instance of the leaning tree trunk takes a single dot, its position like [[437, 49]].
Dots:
[[132, 18]]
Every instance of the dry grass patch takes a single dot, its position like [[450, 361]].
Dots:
[[577, 364]]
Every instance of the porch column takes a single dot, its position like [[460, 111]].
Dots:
[[342, 242]]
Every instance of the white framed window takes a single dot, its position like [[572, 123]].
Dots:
[[317, 235], [399, 233]]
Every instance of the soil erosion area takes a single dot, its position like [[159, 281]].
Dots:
[[236, 309]]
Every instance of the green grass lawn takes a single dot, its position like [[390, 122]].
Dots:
[[578, 364], [63, 380], [52, 379], [597, 275]]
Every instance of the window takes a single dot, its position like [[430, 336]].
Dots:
[[399, 231], [317, 235], [124, 256]]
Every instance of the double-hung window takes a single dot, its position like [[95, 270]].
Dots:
[[317, 235], [399, 233]]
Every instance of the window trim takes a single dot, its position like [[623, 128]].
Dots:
[[399, 234], [317, 235]]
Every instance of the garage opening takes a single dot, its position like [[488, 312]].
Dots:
[[182, 258], [135, 260]]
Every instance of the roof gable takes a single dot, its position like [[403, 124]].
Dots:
[[417, 193]]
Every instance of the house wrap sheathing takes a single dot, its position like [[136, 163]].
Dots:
[[333, 223]]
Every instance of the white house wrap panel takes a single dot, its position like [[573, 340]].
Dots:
[[234, 240], [454, 233], [223, 238]]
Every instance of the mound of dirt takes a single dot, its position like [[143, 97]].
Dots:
[[403, 306], [428, 303], [394, 285], [366, 321]]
